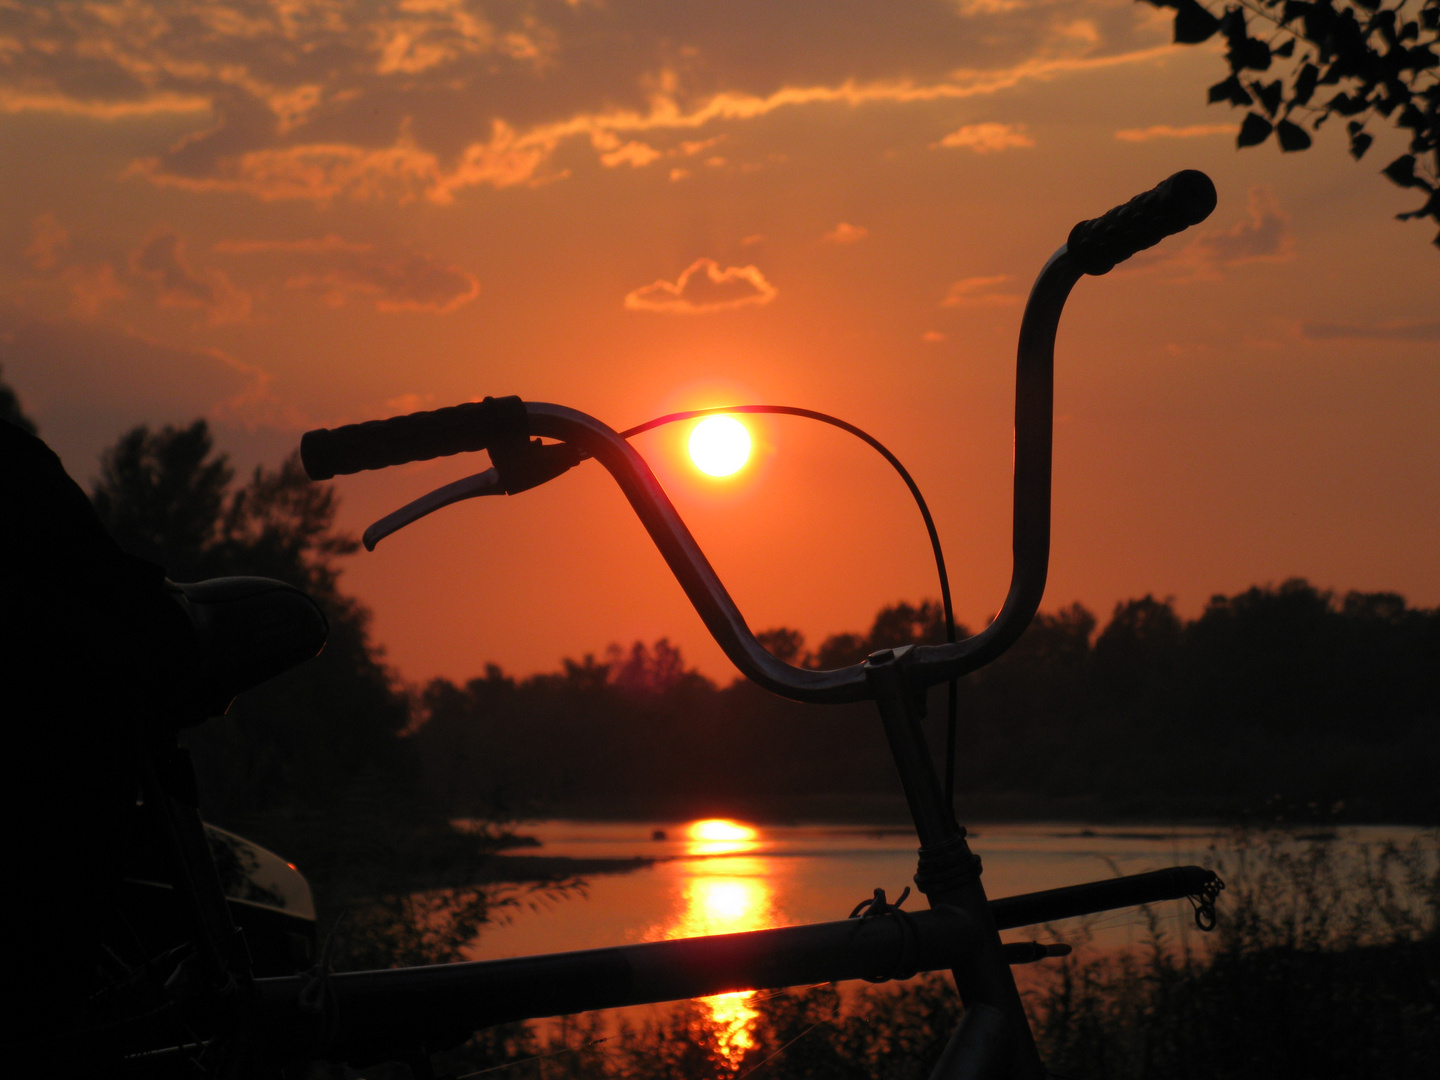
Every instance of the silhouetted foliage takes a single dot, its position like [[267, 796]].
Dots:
[[10, 408], [1281, 695], [305, 737], [1357, 59], [312, 763], [1327, 964]]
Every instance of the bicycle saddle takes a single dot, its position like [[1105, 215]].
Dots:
[[248, 629]]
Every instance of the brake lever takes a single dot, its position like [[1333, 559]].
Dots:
[[519, 466], [472, 487]]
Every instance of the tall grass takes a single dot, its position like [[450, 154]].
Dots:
[[1326, 964]]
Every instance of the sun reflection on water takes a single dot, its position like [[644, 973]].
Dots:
[[718, 836], [726, 896]]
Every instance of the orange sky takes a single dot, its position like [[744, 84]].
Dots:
[[282, 215]]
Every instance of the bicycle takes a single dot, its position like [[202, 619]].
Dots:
[[407, 1013]]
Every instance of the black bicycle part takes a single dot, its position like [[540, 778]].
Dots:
[[1171, 206], [933, 663], [997, 1037], [378, 444], [952, 698], [374, 1011]]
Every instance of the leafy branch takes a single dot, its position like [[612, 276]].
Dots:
[[1379, 60]]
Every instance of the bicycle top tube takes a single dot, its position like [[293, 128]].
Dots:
[[504, 426]]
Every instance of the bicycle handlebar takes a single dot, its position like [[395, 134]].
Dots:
[[1095, 246], [378, 444], [1171, 206]]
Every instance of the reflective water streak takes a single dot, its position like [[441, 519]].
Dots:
[[725, 893]]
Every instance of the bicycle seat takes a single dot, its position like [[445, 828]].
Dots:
[[248, 629]]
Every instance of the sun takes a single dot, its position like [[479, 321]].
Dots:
[[719, 445]]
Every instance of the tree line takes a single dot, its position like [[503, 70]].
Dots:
[[1280, 700]]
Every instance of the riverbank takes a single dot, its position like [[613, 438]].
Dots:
[[991, 808]]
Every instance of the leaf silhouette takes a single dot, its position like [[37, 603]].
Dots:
[[1402, 171], [1193, 24], [1269, 95], [1230, 90], [1292, 136], [1254, 130], [1305, 84], [1372, 58]]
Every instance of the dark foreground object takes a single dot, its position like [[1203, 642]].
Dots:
[[354, 1016]]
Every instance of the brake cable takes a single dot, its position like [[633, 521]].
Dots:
[[952, 700], [520, 463]]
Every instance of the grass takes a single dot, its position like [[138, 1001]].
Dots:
[[1326, 964]]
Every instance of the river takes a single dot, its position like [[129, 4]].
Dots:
[[717, 877]]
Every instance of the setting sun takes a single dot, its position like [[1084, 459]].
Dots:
[[719, 445]]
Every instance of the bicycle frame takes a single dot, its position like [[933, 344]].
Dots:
[[370, 1014]]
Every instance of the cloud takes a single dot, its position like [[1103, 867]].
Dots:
[[991, 7], [1165, 131], [845, 233], [987, 138], [91, 285], [980, 292], [425, 99], [310, 102], [1263, 235], [162, 104], [392, 279], [703, 287], [1408, 331], [48, 238], [162, 261], [118, 377]]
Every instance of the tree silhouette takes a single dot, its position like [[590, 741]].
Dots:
[[11, 410], [1284, 690], [162, 495], [1357, 59], [310, 735]]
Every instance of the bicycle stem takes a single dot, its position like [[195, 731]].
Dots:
[[995, 1039]]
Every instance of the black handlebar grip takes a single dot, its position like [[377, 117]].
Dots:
[[419, 436], [1171, 206]]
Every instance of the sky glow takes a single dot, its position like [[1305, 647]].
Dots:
[[281, 216]]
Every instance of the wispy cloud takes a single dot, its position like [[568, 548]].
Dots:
[[703, 287], [845, 233], [117, 373], [53, 101], [987, 138], [1401, 331], [92, 284], [392, 279], [162, 261], [309, 102], [1165, 131], [48, 239], [980, 292], [1262, 235]]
